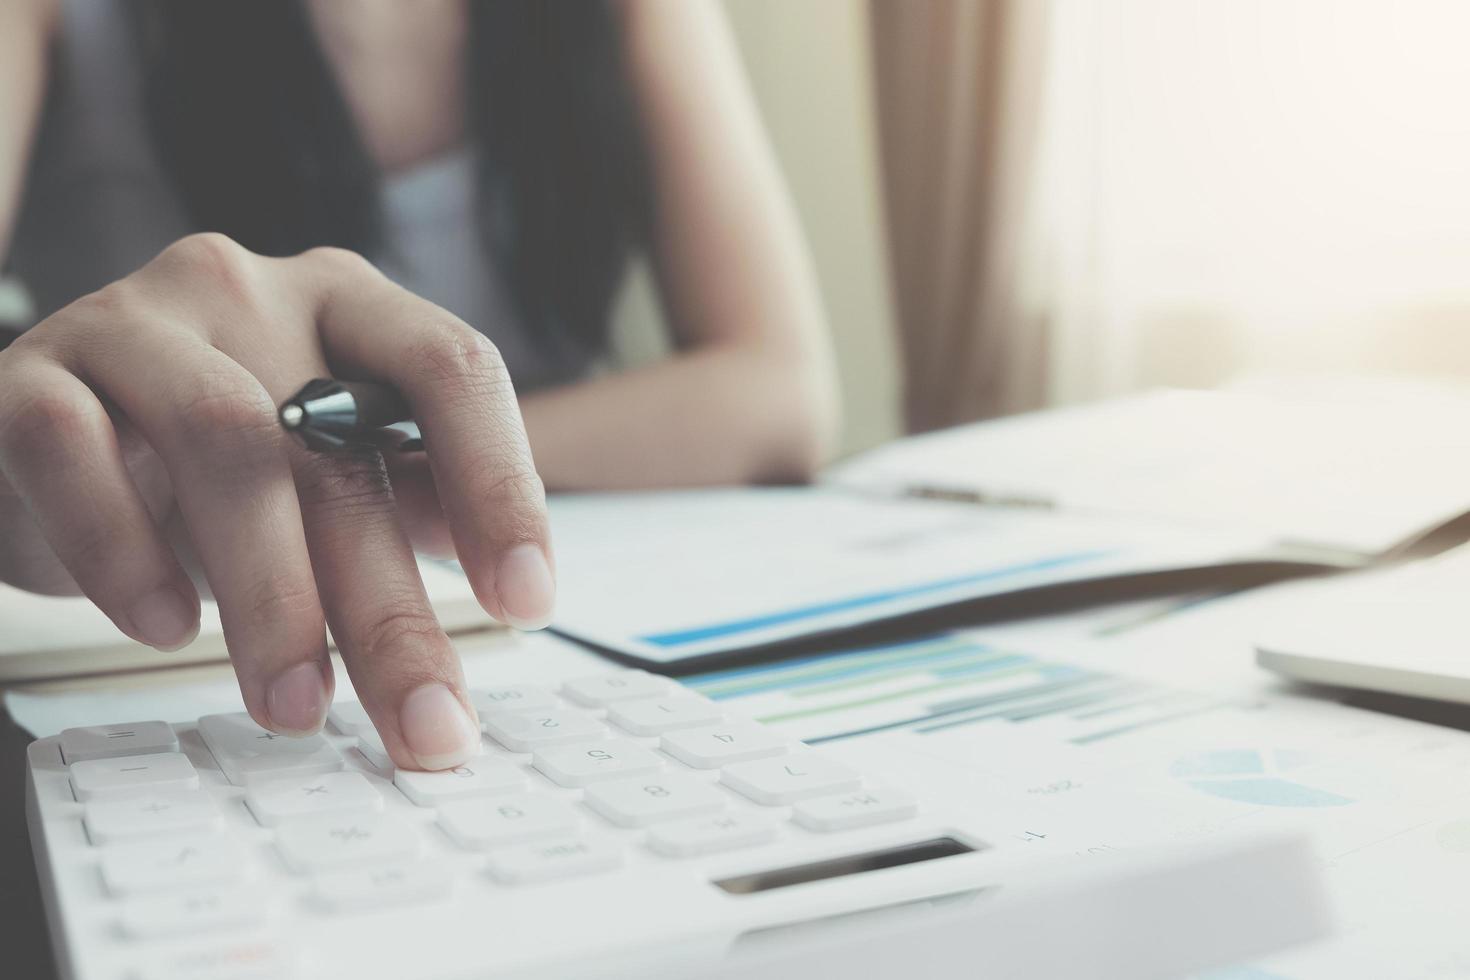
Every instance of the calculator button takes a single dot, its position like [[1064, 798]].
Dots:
[[348, 839], [181, 812], [654, 716], [513, 697], [302, 796], [110, 741], [492, 821], [621, 685], [474, 778], [665, 796], [850, 810], [553, 859], [532, 730], [358, 889], [705, 835], [132, 775], [789, 778], [349, 718], [589, 762], [193, 911], [719, 745], [247, 753], [206, 860]]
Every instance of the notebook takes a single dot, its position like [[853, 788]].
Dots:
[[1285, 476], [1356, 468]]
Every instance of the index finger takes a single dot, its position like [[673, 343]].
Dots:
[[462, 397]]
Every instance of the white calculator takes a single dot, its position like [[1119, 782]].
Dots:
[[607, 816]]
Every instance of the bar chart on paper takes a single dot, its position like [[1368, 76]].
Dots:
[[941, 683]]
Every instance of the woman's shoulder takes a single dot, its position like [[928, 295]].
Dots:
[[23, 20]]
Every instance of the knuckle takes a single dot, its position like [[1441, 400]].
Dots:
[[281, 598], [114, 304], [340, 262], [92, 545], [454, 354], [396, 632], [215, 257], [225, 409], [347, 485], [508, 481], [43, 424]]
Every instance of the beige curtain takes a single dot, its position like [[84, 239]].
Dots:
[[959, 85]]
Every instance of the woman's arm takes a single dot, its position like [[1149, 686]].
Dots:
[[750, 396], [25, 34]]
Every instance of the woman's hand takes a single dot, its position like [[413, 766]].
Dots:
[[155, 399]]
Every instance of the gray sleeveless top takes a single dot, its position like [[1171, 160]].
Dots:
[[98, 205]]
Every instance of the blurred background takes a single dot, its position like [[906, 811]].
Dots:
[[1020, 203]]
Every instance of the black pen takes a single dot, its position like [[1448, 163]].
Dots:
[[332, 416]]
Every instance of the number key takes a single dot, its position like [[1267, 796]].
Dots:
[[654, 716], [618, 685], [525, 732], [474, 778], [513, 697], [719, 745], [579, 765], [652, 799], [789, 778], [487, 822]]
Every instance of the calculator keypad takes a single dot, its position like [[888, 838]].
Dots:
[[574, 781]]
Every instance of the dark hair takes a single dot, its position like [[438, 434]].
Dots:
[[249, 122]]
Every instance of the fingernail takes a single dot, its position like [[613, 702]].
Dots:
[[165, 619], [436, 728], [525, 588], [297, 699]]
